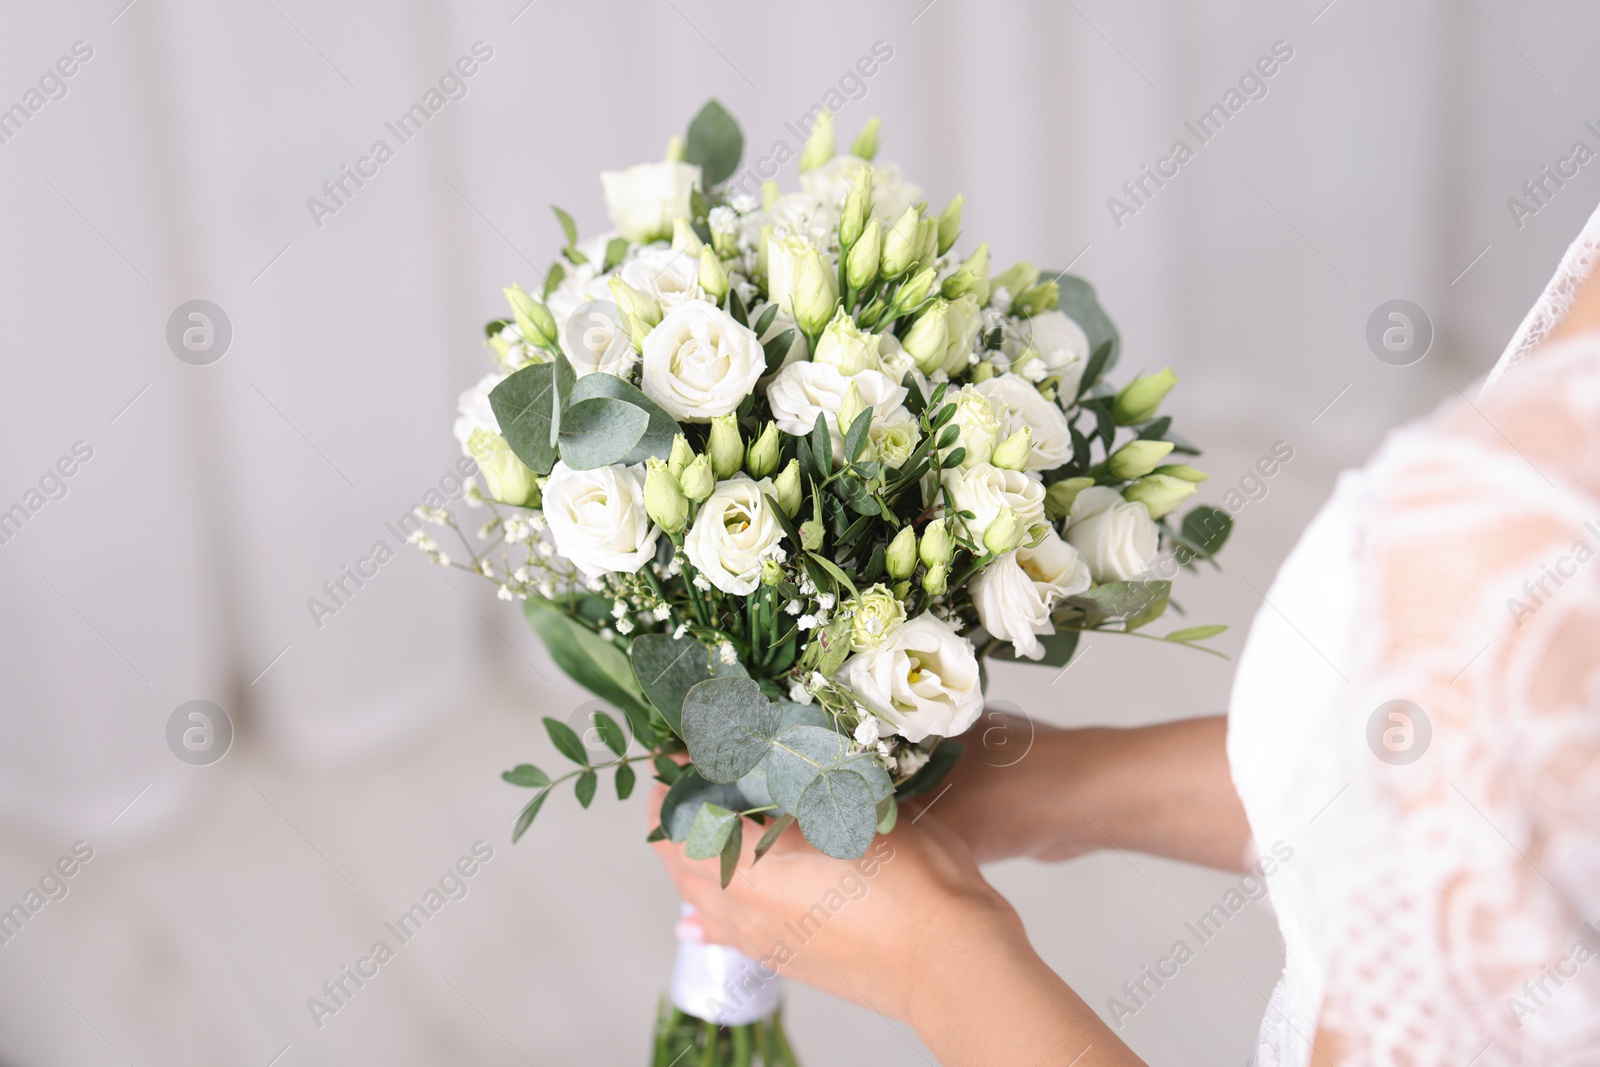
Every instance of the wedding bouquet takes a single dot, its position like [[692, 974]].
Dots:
[[774, 474]]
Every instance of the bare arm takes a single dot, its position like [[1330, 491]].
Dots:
[[1162, 789]]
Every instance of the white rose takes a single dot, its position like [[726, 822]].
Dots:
[[1015, 594], [734, 531], [802, 391], [980, 424], [1115, 535], [923, 680], [699, 362], [644, 200], [1062, 346], [985, 489], [598, 520], [670, 276], [1024, 406], [831, 183], [474, 410]]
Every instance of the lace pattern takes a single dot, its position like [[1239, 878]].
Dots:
[[1554, 303]]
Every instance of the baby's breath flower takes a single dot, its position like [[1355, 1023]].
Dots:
[[792, 607], [682, 629], [702, 583], [808, 622], [867, 732], [505, 593], [520, 574], [825, 601], [624, 626], [799, 693], [442, 560], [726, 653], [663, 612], [619, 609]]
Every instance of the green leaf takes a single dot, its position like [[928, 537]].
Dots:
[[1058, 650], [584, 787], [552, 278], [770, 838], [730, 851], [1119, 600], [683, 801], [526, 775], [566, 742], [599, 432], [1194, 633], [611, 733], [799, 755], [1207, 528], [709, 831], [527, 406], [855, 438], [658, 834], [838, 814], [525, 818], [568, 227], [714, 144], [838, 575], [821, 444], [625, 780], [888, 814], [728, 724], [776, 348], [956, 457], [1078, 300], [616, 251], [764, 320], [658, 435], [667, 668], [667, 769], [593, 662], [736, 308]]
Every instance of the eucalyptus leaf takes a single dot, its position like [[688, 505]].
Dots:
[[730, 851], [728, 724], [599, 432], [658, 435], [714, 144], [688, 793], [527, 407], [838, 814], [668, 667], [770, 838], [709, 831]]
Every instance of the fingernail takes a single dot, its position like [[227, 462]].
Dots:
[[690, 932]]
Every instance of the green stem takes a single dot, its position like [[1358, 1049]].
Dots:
[[708, 1031], [1147, 637]]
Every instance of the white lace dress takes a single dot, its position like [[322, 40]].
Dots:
[[1442, 903]]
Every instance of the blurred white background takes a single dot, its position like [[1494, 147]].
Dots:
[[219, 498]]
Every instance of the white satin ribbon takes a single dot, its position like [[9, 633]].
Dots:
[[721, 984]]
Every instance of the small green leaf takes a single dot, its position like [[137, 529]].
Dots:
[[730, 851], [855, 439], [1195, 633], [888, 814], [714, 144], [658, 834], [525, 819], [568, 227], [612, 734], [625, 780], [552, 278], [616, 251], [776, 349], [956, 457], [709, 831], [667, 769], [1207, 528], [821, 442], [566, 741], [684, 800], [584, 787], [764, 320], [526, 775], [770, 838]]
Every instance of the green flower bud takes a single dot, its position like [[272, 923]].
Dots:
[[927, 240], [950, 224], [538, 326], [664, 502], [697, 479], [682, 455], [764, 453], [901, 558], [684, 239], [900, 244], [726, 447], [857, 209], [1036, 298], [1059, 497], [1137, 458], [763, 261], [771, 572], [914, 291], [1159, 493], [972, 276], [926, 340], [713, 279], [935, 580], [1139, 399], [1004, 533], [1013, 453], [508, 479], [846, 346], [675, 149], [640, 313], [866, 143], [982, 372], [1184, 471], [820, 145], [936, 548], [815, 293], [861, 266], [874, 615], [786, 489], [851, 407], [1015, 278]]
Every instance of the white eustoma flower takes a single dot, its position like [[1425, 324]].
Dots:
[[732, 533], [670, 276], [980, 424], [922, 681], [897, 363], [1062, 346], [1015, 594], [985, 489], [700, 363], [598, 520], [474, 412], [1024, 406], [1116, 536], [831, 183], [644, 200], [792, 215], [802, 391], [598, 342]]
